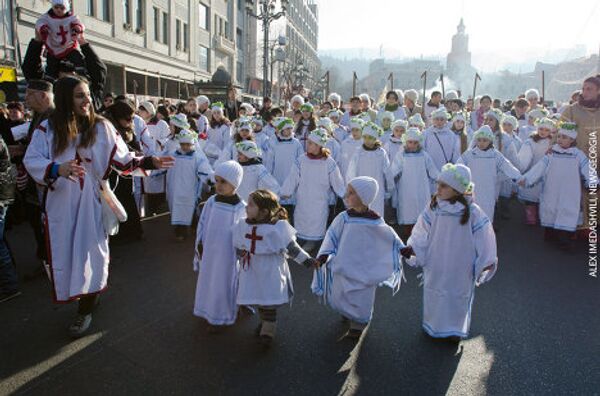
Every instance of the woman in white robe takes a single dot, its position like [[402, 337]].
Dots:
[[76, 237], [455, 257]]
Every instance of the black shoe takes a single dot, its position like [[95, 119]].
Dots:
[[9, 295], [257, 330]]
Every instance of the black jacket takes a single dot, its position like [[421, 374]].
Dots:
[[96, 69]]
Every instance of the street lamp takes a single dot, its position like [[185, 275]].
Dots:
[[267, 15]]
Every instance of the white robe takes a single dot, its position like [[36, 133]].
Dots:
[[310, 181], [148, 146], [265, 277], [392, 147], [155, 182], [340, 133], [453, 258], [78, 253], [409, 176], [345, 282], [217, 139], [487, 168], [525, 131], [508, 187], [349, 147], [530, 154], [373, 163], [447, 149], [184, 184], [399, 114], [202, 124], [256, 177], [280, 158], [216, 288], [561, 173]]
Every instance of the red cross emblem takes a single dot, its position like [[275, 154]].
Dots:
[[253, 237], [63, 34]]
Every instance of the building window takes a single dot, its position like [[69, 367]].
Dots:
[[139, 15], [203, 17], [239, 37], [91, 7], [127, 12], [203, 64], [186, 37], [239, 73], [105, 10], [177, 33], [165, 28], [156, 24]]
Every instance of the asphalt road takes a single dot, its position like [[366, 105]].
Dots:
[[535, 331]]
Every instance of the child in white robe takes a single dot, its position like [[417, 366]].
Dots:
[[394, 144], [386, 120], [561, 173], [283, 153], [244, 131], [263, 242], [409, 177], [487, 165], [340, 132], [439, 141], [455, 244], [306, 123], [310, 180], [256, 175], [462, 130], [218, 134], [532, 117], [215, 258], [332, 145], [508, 188], [532, 151], [261, 138], [417, 122], [371, 160], [357, 237], [351, 144], [184, 182]]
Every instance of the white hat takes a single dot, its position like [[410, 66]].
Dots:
[[532, 94], [439, 113], [373, 130], [537, 113], [456, 176], [366, 188], [149, 107], [217, 107], [248, 107], [202, 99], [248, 148], [413, 134], [459, 116], [400, 95], [451, 95], [282, 123], [412, 95], [496, 114], [187, 136], [65, 3], [297, 99], [180, 121], [245, 123], [325, 122], [335, 97], [485, 132], [334, 113], [231, 171], [568, 128], [545, 123], [365, 116], [356, 123], [257, 120], [319, 136], [508, 119], [416, 120], [400, 123], [387, 115], [364, 97]]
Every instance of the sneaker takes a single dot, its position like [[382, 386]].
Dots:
[[80, 326], [9, 295]]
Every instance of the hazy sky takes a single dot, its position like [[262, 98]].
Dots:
[[509, 25]]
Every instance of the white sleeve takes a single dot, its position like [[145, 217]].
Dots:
[[484, 240], [525, 156], [419, 237], [587, 173], [336, 181], [432, 170], [268, 182], [291, 181], [332, 236], [37, 158], [507, 168], [200, 231], [536, 173], [394, 170]]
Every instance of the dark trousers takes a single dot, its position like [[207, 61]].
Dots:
[[87, 304], [75, 57]]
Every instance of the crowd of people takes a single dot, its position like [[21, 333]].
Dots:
[[332, 186]]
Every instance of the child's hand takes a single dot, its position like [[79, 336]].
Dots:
[[311, 262], [407, 251], [199, 249]]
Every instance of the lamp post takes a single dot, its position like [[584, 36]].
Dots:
[[267, 15]]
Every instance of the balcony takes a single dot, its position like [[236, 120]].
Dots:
[[223, 44]]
